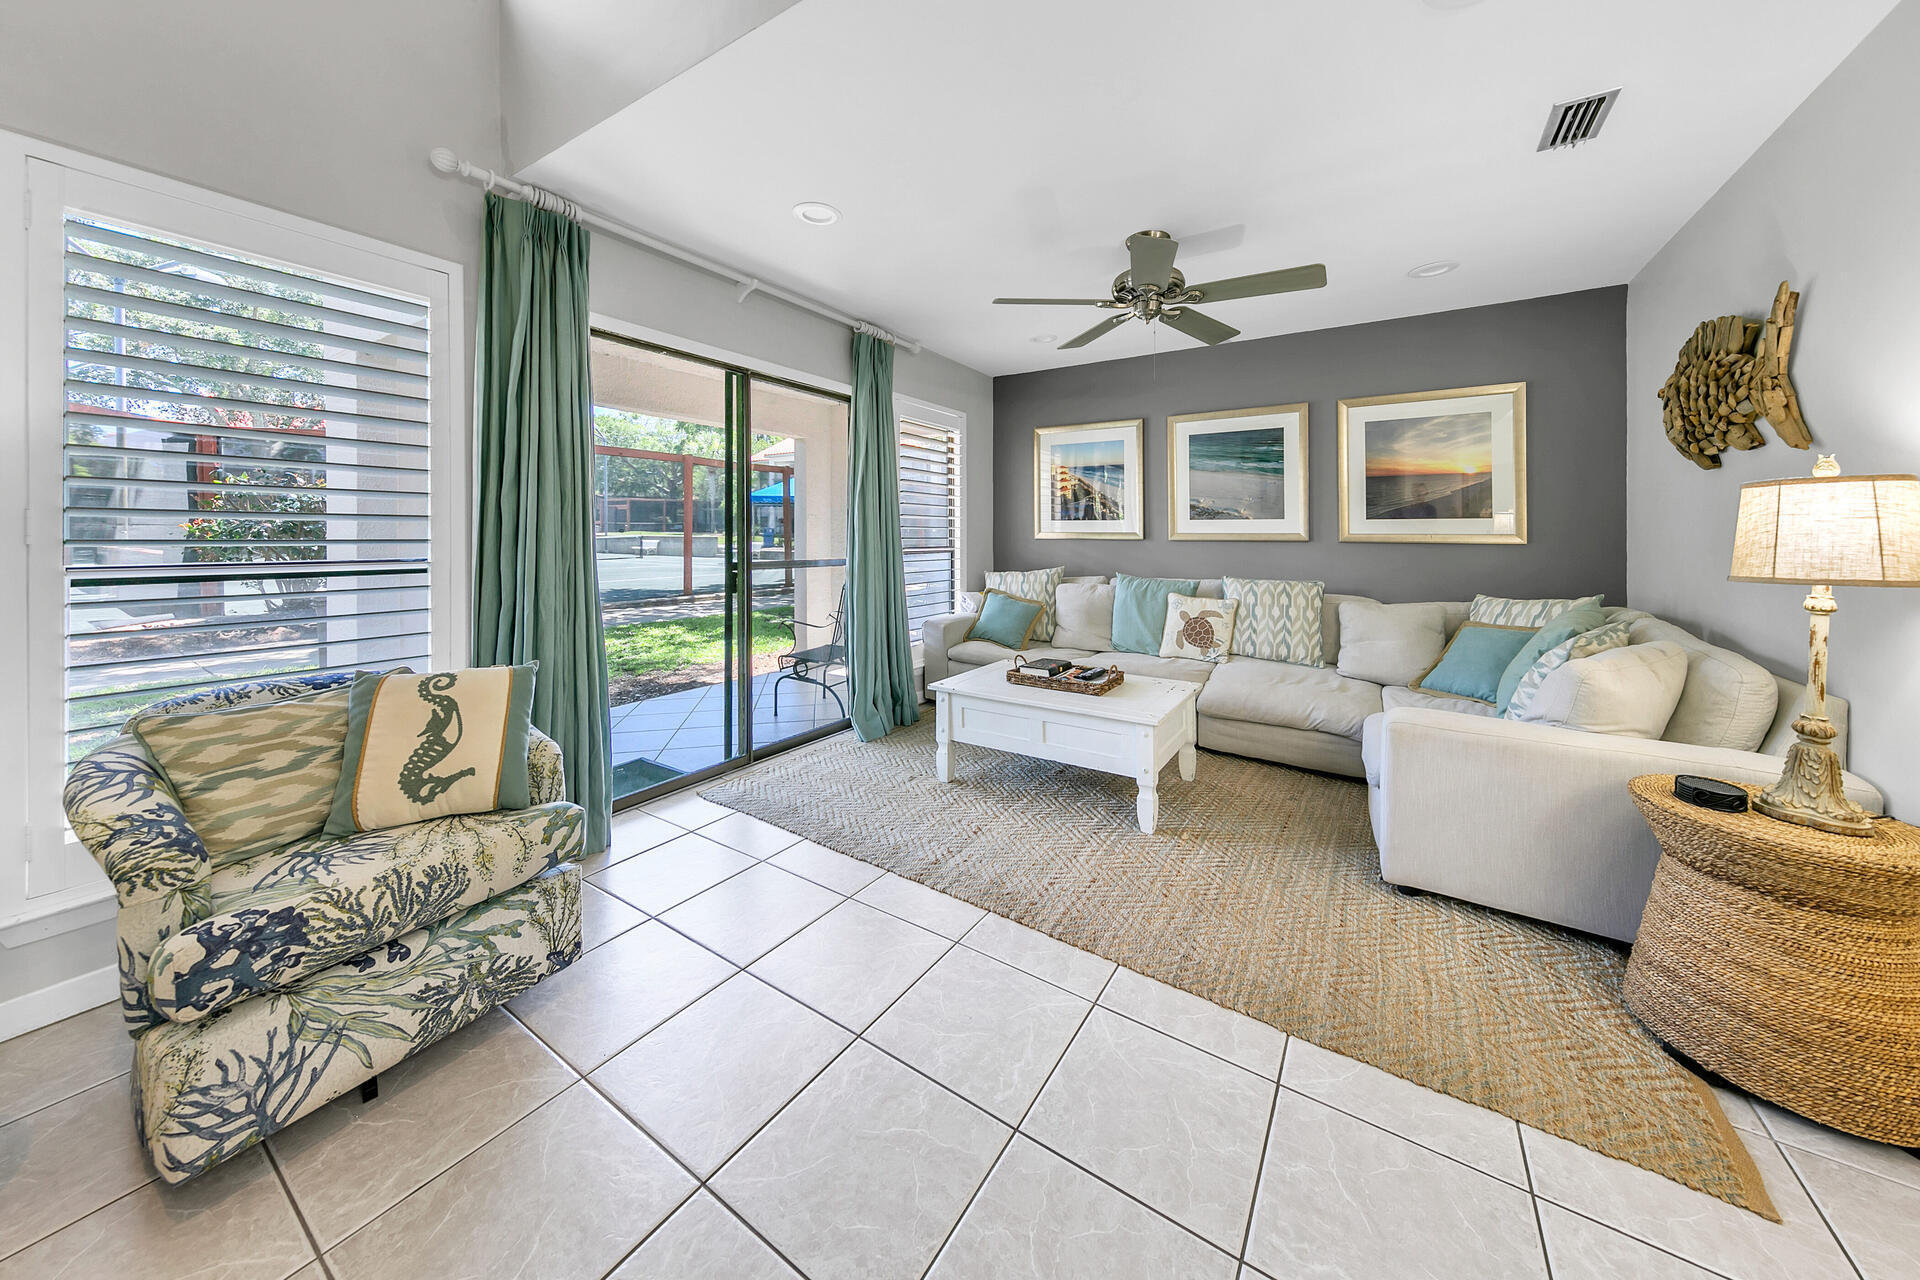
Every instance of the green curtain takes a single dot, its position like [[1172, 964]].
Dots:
[[879, 642], [536, 592]]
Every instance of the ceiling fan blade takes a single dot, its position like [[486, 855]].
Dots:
[[1254, 286], [1053, 302], [1151, 259], [1104, 327], [1195, 325]]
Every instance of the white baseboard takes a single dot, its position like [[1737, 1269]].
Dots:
[[48, 1005]]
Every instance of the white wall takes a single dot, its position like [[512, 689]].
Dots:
[[1829, 203]]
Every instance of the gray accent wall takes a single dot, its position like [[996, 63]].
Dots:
[[1828, 203], [1569, 349]]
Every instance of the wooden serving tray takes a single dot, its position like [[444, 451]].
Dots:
[[1115, 677]]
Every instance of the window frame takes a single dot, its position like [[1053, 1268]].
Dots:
[[954, 423], [50, 884]]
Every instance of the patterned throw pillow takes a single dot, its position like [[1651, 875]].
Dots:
[[1032, 584], [1199, 628], [1502, 611], [252, 778], [1279, 621], [1611, 636], [429, 746]]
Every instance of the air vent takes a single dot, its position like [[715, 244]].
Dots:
[[1571, 123]]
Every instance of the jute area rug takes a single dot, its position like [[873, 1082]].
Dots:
[[1261, 892]]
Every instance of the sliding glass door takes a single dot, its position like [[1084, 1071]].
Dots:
[[720, 509]]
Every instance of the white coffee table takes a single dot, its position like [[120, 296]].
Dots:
[[1132, 731]]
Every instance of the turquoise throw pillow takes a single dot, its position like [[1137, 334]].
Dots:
[[1140, 610], [1474, 661], [1559, 629], [1006, 620]]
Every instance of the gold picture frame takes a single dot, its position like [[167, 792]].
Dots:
[[1106, 477], [1433, 505], [1290, 420]]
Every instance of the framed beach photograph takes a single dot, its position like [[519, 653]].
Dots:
[[1238, 474], [1087, 480], [1435, 466]]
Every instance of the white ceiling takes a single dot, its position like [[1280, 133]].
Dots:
[[998, 147]]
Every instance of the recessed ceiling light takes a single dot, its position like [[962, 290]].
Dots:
[[816, 214], [1043, 337], [1428, 270]]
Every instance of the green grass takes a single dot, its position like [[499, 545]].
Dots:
[[640, 648]]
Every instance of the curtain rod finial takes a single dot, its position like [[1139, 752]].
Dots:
[[444, 160]]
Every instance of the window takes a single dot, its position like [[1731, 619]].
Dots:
[[929, 501], [246, 475]]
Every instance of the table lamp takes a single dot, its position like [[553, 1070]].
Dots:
[[1826, 530]]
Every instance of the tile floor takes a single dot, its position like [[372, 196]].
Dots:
[[685, 731], [776, 1061]]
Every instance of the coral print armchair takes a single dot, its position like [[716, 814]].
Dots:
[[282, 937]]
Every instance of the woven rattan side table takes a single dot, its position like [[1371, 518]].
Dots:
[[1786, 960]]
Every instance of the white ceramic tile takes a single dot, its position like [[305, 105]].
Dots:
[[702, 1241], [1739, 1109], [865, 1173], [685, 809], [350, 1161], [914, 902], [704, 1080], [1164, 1122], [1581, 1250], [1222, 1032], [565, 1193], [63, 1161], [635, 831], [1040, 1218], [1699, 1227], [852, 962], [667, 876], [1873, 1157], [982, 1028], [826, 866], [58, 1061], [749, 835], [1080, 972], [612, 996], [603, 917], [749, 915], [1877, 1220], [233, 1222], [1340, 1197], [1484, 1139]]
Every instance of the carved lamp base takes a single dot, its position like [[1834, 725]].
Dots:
[[1810, 792]]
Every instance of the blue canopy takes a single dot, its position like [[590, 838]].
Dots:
[[773, 494]]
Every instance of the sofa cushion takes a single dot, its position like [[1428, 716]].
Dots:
[[1390, 643], [980, 653], [1561, 628], [1611, 635], [1084, 616], [1630, 691], [1728, 701], [1200, 628], [253, 777], [1286, 694], [1152, 664], [431, 746], [1474, 659], [1005, 620], [1140, 610], [1032, 584], [1279, 621], [1505, 611], [281, 916], [1399, 695]]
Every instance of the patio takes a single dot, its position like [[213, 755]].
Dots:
[[658, 738]]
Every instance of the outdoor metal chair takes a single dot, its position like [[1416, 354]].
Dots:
[[815, 665]]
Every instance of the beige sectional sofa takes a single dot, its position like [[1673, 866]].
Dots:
[[1525, 817]]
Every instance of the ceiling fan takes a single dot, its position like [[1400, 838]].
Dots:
[[1152, 289]]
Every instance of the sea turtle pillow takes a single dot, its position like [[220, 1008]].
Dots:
[[1199, 628], [434, 745]]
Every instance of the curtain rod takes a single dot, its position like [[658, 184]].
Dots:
[[446, 162]]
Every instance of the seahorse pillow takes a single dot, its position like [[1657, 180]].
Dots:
[[1199, 627], [431, 746]]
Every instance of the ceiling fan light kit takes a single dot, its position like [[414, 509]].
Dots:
[[1153, 289]]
